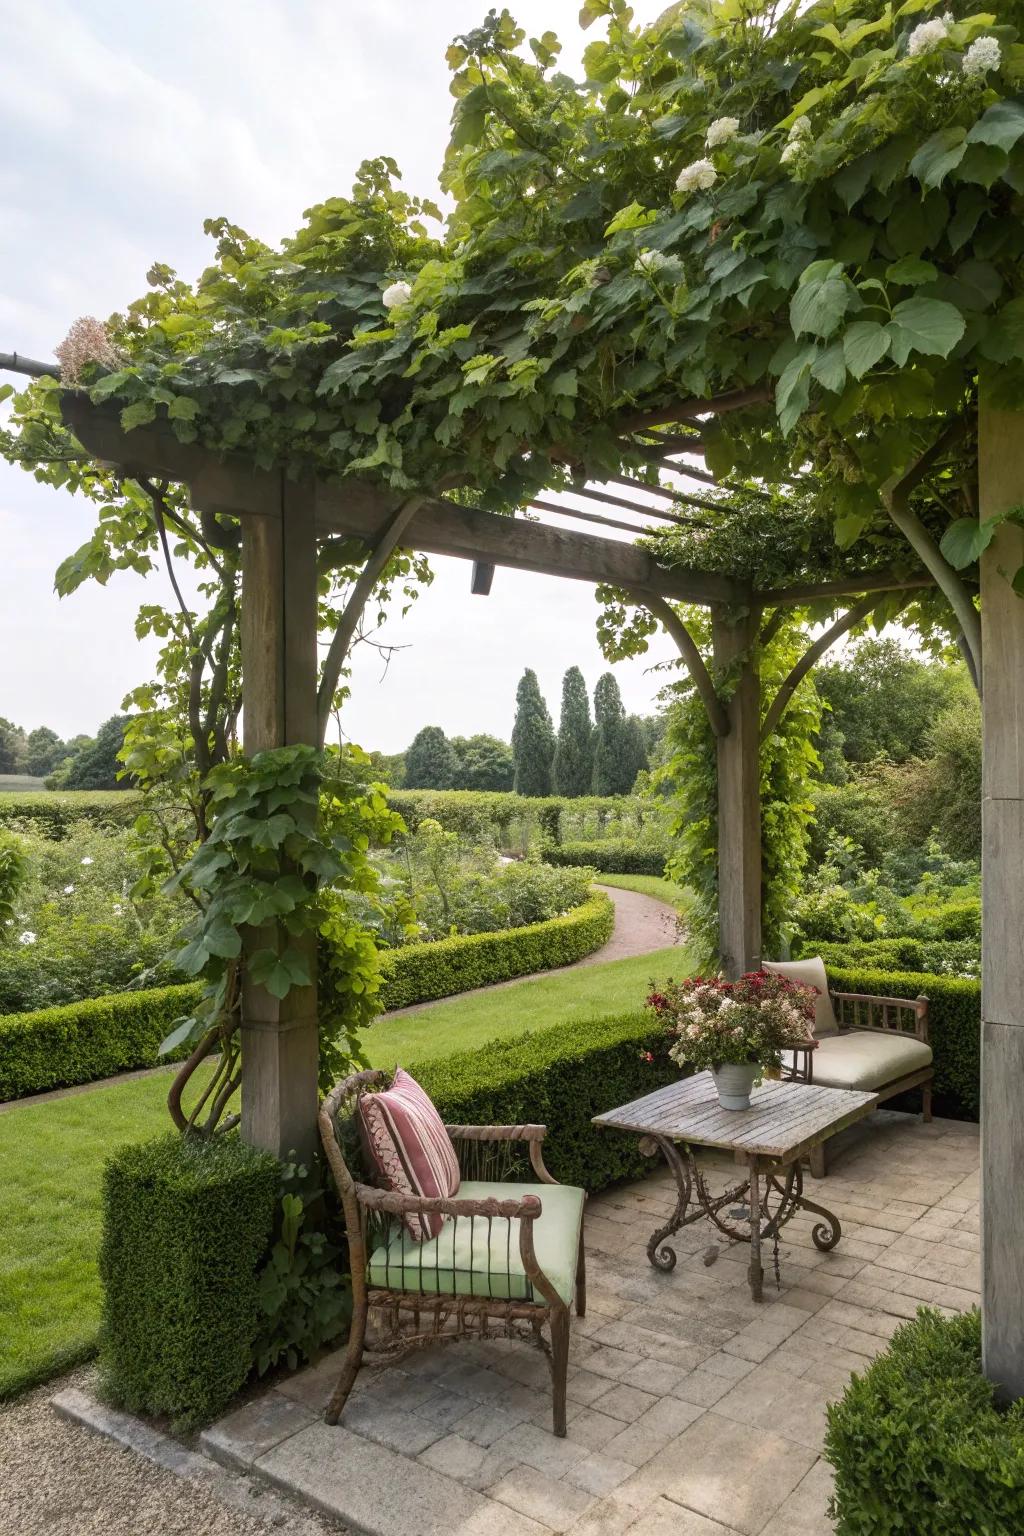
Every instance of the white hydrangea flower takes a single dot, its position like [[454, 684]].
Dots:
[[69, 890], [397, 293], [983, 55], [28, 937], [701, 174], [791, 152], [801, 129], [929, 35], [118, 909], [648, 262], [721, 131], [87, 860]]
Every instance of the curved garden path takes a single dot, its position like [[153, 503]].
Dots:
[[642, 925]]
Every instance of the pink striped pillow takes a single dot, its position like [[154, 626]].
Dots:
[[410, 1148]]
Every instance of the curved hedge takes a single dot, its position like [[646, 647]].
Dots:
[[919, 1444], [53, 812], [560, 1078], [613, 855], [418, 973], [954, 1023], [80, 1042]]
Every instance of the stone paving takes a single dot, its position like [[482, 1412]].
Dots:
[[693, 1411]]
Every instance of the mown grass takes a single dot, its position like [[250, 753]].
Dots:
[[650, 885], [52, 1154]]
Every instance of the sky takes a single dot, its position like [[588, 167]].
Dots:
[[126, 125]]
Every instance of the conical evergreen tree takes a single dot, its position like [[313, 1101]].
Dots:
[[533, 738], [614, 751], [574, 750], [431, 762], [638, 760]]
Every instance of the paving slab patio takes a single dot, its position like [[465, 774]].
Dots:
[[693, 1411]]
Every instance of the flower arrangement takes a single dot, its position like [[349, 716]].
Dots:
[[714, 1022]]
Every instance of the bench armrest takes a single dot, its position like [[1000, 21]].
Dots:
[[533, 1135], [882, 1015]]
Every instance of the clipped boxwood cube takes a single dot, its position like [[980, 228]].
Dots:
[[186, 1223]]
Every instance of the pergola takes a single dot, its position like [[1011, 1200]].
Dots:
[[282, 519]]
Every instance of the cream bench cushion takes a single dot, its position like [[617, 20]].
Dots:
[[867, 1059]]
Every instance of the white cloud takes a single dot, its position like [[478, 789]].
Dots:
[[132, 123]]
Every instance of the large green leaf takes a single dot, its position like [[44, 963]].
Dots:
[[938, 156], [865, 343], [924, 325], [822, 299], [964, 541], [1002, 125]]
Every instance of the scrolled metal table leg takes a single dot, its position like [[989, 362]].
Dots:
[[660, 1254], [756, 1273]]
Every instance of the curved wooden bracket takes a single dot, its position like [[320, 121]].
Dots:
[[694, 661]]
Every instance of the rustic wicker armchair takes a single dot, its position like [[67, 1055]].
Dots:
[[504, 1263]]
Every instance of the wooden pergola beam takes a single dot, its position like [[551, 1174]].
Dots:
[[233, 487]]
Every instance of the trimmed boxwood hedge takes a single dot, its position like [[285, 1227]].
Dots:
[[918, 1443], [954, 1027], [186, 1223], [613, 855], [560, 1078], [78, 1043], [54, 812], [417, 973]]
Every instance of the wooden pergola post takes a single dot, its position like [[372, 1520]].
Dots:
[[279, 666], [1001, 487], [739, 798]]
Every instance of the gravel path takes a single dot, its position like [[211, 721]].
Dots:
[[60, 1479], [642, 925]]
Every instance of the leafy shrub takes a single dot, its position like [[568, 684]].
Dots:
[[52, 815], [78, 929], [418, 973], [13, 870], [919, 1444], [305, 1298], [516, 821], [954, 1027], [939, 957], [186, 1223], [614, 856], [58, 1047], [560, 1078]]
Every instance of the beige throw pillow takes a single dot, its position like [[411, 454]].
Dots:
[[809, 973]]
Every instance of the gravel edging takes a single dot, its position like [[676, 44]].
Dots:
[[81, 1469]]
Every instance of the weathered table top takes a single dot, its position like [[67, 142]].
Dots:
[[783, 1122]]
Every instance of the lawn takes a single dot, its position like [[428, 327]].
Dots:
[[651, 885], [52, 1154]]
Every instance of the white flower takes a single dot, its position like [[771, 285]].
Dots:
[[118, 909], [983, 55], [397, 293], [700, 174], [792, 151], [86, 342], [28, 937], [87, 860], [648, 262], [69, 890], [929, 35], [721, 131]]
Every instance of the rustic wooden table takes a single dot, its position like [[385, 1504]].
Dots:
[[783, 1123]]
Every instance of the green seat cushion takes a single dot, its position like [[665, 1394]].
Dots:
[[477, 1257]]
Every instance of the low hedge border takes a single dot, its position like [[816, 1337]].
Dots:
[[186, 1223], [954, 1026], [919, 1444], [418, 973], [53, 812], [614, 856], [80, 1042], [559, 1077]]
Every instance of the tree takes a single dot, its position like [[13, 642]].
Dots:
[[533, 739], [637, 747], [615, 745], [431, 761], [96, 763], [883, 700], [43, 751], [485, 762], [574, 750], [12, 747]]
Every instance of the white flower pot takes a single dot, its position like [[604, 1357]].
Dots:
[[734, 1081]]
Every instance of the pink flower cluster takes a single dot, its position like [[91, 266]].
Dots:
[[710, 1021], [86, 342]]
